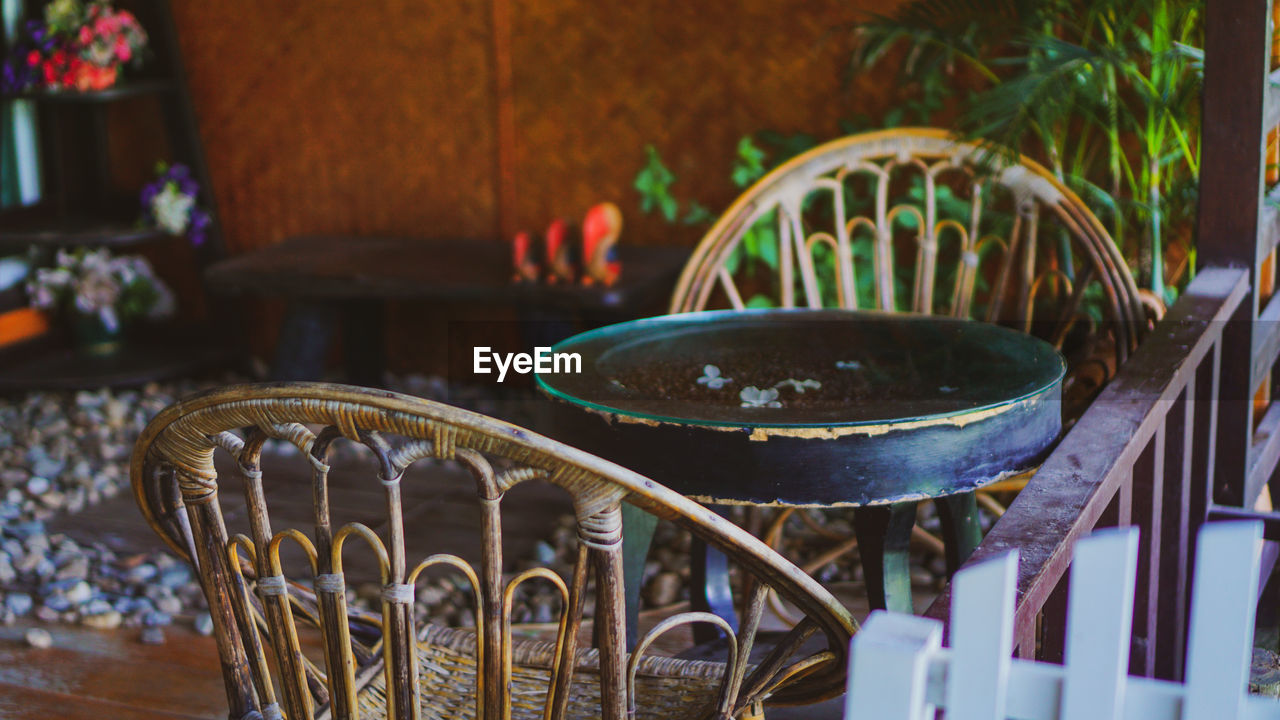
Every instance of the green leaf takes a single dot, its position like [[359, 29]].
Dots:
[[734, 260], [669, 207], [698, 214], [760, 301], [749, 165], [767, 245], [653, 182]]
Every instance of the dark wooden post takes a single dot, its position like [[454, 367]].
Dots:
[[1237, 57]]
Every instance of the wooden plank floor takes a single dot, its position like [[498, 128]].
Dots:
[[96, 674], [110, 674]]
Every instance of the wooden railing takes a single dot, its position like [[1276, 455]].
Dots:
[[1140, 455]]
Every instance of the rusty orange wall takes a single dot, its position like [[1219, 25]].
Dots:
[[384, 116], [349, 117]]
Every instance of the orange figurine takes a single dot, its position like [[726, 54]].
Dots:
[[600, 230], [523, 258], [560, 261]]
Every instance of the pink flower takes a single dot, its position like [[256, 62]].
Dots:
[[86, 36], [123, 51]]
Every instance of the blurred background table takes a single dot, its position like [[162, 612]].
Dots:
[[334, 282]]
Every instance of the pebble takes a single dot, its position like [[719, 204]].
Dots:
[[156, 619], [108, 620], [204, 624], [170, 605], [176, 576], [544, 553], [39, 638], [77, 567], [664, 589], [152, 635], [141, 573], [18, 603], [80, 593]]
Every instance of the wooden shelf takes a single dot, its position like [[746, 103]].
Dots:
[[73, 232], [121, 91], [84, 206], [48, 365], [40, 225]]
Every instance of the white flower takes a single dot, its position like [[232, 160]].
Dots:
[[848, 365], [799, 385], [753, 396], [97, 291], [711, 377], [172, 209]]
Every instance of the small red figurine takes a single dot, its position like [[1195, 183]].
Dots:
[[523, 258], [600, 230], [560, 261]]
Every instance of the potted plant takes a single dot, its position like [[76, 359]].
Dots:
[[100, 295], [1105, 91]]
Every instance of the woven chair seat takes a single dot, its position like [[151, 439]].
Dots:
[[665, 687]]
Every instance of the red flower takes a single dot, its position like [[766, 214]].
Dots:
[[60, 57], [33, 58], [49, 73]]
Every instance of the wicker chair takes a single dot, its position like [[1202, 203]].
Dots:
[[386, 665], [976, 236], [914, 220]]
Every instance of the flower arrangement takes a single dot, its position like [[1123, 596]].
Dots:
[[169, 203], [77, 46], [114, 290]]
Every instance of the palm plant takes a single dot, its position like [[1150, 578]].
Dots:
[[1106, 92]]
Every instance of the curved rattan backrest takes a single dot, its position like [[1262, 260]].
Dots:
[[176, 485], [962, 230]]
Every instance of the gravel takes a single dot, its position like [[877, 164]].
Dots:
[[60, 453]]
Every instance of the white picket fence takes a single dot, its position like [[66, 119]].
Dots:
[[898, 669]]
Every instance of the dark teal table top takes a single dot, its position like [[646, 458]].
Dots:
[[827, 367]]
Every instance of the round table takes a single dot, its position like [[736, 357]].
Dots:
[[820, 408]]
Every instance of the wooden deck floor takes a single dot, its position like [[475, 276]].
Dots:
[[111, 674]]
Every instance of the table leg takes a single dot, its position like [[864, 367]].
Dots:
[[961, 531], [303, 342], [884, 531], [709, 589], [364, 342], [637, 535]]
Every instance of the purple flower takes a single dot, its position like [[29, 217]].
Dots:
[[149, 193]]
